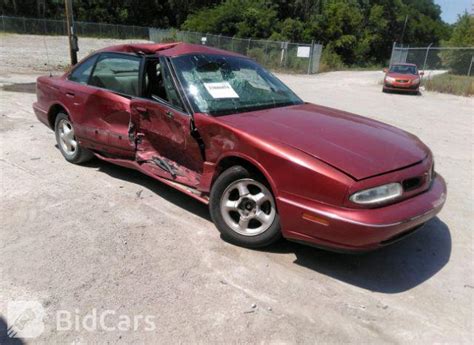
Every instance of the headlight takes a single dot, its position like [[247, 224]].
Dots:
[[415, 81], [377, 194], [389, 79]]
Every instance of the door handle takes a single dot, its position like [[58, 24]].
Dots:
[[142, 110], [169, 114], [70, 94]]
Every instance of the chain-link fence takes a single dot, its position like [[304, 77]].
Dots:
[[455, 60], [275, 55], [22, 25], [280, 56]]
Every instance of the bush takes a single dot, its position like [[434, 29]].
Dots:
[[450, 83], [330, 61]]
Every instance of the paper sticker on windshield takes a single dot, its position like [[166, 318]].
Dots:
[[221, 90]]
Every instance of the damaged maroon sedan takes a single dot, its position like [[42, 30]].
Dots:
[[220, 128]]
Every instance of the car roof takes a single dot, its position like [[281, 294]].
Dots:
[[404, 64], [168, 49]]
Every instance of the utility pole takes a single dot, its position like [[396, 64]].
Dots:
[[404, 27], [71, 32]]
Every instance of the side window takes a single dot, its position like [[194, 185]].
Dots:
[[117, 73], [82, 72]]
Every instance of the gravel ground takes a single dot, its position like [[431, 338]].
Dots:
[[100, 237], [26, 53]]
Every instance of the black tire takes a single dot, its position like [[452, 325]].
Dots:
[[79, 154], [224, 181], [384, 90]]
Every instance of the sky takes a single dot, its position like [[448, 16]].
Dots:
[[451, 8]]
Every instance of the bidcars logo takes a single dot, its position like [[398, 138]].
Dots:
[[25, 319]]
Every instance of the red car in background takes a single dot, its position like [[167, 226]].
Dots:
[[402, 77], [220, 128]]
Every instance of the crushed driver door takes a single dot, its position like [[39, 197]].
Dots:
[[161, 128]]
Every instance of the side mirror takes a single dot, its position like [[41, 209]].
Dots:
[[422, 73], [385, 70]]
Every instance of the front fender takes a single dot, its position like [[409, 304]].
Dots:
[[287, 170]]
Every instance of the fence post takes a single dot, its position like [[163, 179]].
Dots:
[[470, 67], [310, 60], [24, 25], [394, 46], [426, 56], [248, 47], [265, 53]]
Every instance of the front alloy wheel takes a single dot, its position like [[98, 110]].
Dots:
[[247, 207], [243, 209]]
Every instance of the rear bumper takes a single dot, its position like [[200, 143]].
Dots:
[[41, 114], [353, 230]]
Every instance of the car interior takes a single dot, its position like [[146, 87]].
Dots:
[[154, 84]]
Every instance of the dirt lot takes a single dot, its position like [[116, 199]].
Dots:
[[100, 237]]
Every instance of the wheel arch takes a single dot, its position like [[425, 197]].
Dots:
[[54, 110], [247, 162]]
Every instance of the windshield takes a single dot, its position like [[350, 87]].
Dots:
[[403, 69], [221, 85]]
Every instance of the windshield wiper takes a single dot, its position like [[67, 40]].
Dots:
[[221, 112]]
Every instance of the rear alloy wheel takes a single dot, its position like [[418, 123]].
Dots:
[[67, 143], [243, 209]]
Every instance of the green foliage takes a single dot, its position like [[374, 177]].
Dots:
[[157, 13], [330, 61], [462, 36], [463, 32], [241, 18], [450, 83], [354, 32]]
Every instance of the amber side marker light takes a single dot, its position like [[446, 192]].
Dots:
[[315, 219]]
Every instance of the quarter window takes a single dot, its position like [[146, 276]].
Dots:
[[117, 73], [82, 72]]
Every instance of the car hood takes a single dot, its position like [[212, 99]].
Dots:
[[358, 146]]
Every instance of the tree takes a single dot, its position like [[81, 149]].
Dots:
[[357, 32], [462, 36]]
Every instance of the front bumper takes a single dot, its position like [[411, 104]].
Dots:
[[346, 229], [408, 87]]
